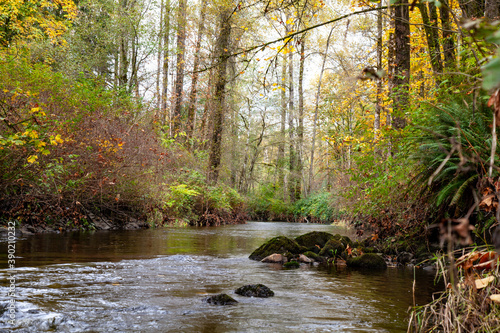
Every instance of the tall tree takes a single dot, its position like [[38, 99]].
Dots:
[[401, 76], [181, 48], [222, 54], [166, 53], [300, 128], [194, 77]]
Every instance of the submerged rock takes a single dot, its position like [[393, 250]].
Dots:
[[314, 241], [275, 258], [332, 248], [291, 264], [221, 299], [280, 244], [255, 290], [367, 260]]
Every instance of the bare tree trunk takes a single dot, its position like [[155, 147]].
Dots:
[[316, 109], [450, 60], [166, 53], [378, 105], [123, 46], [429, 19], [291, 131], [300, 129], [221, 48], [160, 49], [181, 48], [401, 78], [194, 77], [281, 143]]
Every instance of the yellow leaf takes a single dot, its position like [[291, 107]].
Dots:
[[33, 110], [32, 159]]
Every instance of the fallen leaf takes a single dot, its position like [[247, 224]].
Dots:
[[486, 265], [495, 298], [481, 283]]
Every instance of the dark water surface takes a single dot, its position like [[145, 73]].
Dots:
[[155, 281]]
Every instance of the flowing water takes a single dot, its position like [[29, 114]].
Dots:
[[156, 281]]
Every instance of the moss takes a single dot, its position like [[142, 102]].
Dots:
[[367, 260], [221, 299], [343, 239], [291, 264], [332, 248], [255, 290], [278, 244], [314, 241]]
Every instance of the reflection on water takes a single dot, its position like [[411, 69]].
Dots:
[[156, 280]]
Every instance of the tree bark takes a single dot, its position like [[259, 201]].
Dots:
[[292, 186], [300, 129], [401, 78], [166, 52], [450, 59], [378, 105], [179, 78], [316, 109], [222, 46], [281, 143], [429, 19], [194, 77]]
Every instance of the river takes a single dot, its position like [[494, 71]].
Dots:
[[156, 280]]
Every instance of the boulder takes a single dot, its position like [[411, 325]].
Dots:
[[314, 256], [343, 239], [275, 258], [314, 241], [305, 259], [367, 260], [332, 248], [254, 290], [221, 299], [280, 244]]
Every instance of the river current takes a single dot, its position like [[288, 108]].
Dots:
[[156, 280]]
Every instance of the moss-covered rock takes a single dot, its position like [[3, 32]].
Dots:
[[254, 290], [314, 241], [367, 260], [221, 299], [343, 239], [332, 248], [278, 244], [292, 264]]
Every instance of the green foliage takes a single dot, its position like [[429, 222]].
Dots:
[[316, 208], [266, 203], [453, 153]]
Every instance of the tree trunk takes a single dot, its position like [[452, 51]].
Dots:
[[281, 144], [194, 77], [378, 105], [316, 109], [221, 48], [123, 46], [181, 48], [300, 129], [450, 61], [166, 52], [432, 35], [401, 78], [160, 49], [291, 131]]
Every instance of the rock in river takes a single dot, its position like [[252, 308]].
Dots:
[[221, 299], [280, 244], [367, 260], [314, 240], [254, 290], [275, 258]]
